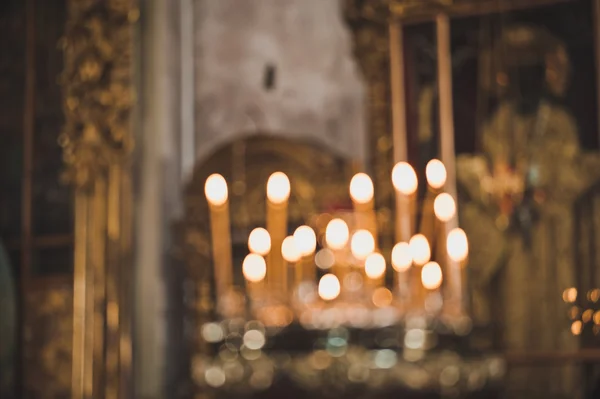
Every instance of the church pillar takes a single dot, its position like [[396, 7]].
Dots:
[[163, 155]]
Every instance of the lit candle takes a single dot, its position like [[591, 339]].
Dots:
[[278, 192], [329, 287], [292, 255], [431, 276], [361, 192], [216, 193], [458, 246], [448, 155], [337, 235], [436, 178], [420, 252], [445, 211], [259, 241], [254, 269], [362, 244], [375, 269], [405, 182], [306, 242]]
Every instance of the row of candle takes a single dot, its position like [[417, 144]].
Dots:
[[298, 249]]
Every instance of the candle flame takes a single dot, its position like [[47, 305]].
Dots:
[[457, 245], [254, 268], [362, 244], [337, 234], [329, 287], [401, 258], [361, 188], [278, 188], [431, 276], [419, 249], [289, 250], [436, 173], [306, 240], [404, 178], [259, 241], [215, 189], [375, 265], [444, 207]]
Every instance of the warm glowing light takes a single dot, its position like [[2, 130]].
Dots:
[[586, 316], [362, 244], [382, 297], [375, 265], [289, 250], [259, 241], [596, 317], [457, 245], [419, 249], [361, 188], [436, 173], [401, 258], [431, 276], [337, 234], [570, 295], [329, 287], [444, 207], [324, 259], [215, 189], [404, 178], [594, 295], [254, 268], [305, 239], [278, 188], [576, 327]]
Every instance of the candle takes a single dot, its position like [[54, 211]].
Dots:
[[448, 156], [458, 246], [336, 238], [420, 252], [445, 211], [436, 178], [306, 242], [216, 193], [405, 182], [375, 269], [292, 255], [259, 241], [329, 287], [361, 192], [278, 192], [431, 278], [254, 269]]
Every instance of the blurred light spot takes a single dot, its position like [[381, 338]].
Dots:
[[214, 376], [324, 259], [576, 327], [382, 297], [254, 339], [212, 332], [414, 338], [570, 295]]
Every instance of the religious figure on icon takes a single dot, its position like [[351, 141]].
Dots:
[[517, 198]]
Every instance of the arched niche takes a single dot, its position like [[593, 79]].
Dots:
[[319, 184]]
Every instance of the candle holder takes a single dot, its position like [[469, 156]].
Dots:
[[327, 309]]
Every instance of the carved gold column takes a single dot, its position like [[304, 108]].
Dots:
[[97, 142]]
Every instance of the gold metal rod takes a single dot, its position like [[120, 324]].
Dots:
[[79, 296]]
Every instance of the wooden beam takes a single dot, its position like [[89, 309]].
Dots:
[[419, 13]]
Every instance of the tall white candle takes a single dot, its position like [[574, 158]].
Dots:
[[448, 156], [216, 193], [278, 192]]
